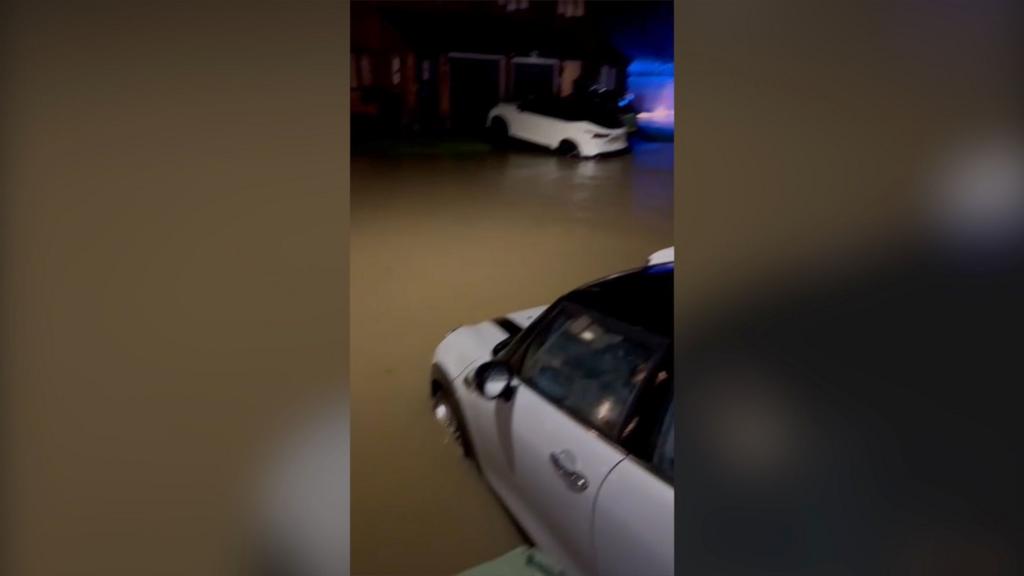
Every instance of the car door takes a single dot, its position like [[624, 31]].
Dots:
[[533, 123], [634, 518], [575, 381]]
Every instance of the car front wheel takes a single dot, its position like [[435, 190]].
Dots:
[[568, 149]]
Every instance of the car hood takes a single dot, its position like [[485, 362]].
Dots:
[[523, 318], [663, 256], [472, 342]]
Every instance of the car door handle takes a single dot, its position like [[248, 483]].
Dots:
[[565, 463]]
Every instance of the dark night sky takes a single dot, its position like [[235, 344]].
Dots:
[[638, 29]]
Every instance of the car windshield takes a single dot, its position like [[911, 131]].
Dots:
[[590, 366], [598, 114]]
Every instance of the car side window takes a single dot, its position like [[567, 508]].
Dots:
[[533, 105], [665, 455], [648, 433], [589, 365], [539, 105]]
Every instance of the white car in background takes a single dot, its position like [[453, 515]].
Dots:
[[567, 410], [568, 127]]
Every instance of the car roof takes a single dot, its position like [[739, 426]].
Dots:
[[642, 297]]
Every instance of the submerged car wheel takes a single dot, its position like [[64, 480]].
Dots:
[[447, 414], [498, 133], [568, 149]]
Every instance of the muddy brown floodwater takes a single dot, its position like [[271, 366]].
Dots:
[[441, 239]]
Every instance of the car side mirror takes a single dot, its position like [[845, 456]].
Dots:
[[493, 380]]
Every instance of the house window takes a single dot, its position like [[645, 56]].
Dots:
[[366, 71], [570, 8], [396, 70]]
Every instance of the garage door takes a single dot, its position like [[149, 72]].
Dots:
[[475, 87]]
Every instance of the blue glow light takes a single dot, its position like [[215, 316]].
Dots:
[[666, 268], [647, 67], [653, 84]]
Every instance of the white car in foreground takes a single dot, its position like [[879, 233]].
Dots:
[[567, 410], [662, 256], [561, 125]]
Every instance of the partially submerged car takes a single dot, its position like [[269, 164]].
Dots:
[[573, 127], [567, 411]]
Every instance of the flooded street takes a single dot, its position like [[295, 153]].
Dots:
[[443, 237]]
